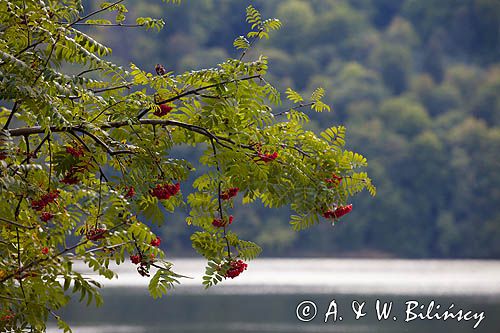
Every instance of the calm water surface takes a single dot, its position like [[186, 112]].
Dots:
[[265, 298]]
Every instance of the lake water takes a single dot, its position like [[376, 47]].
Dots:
[[266, 298]]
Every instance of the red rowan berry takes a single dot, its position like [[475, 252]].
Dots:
[[44, 200], [229, 193], [46, 216], [130, 192], [338, 212], [219, 222], [136, 259], [96, 234], [236, 268], [75, 152], [267, 157], [165, 191], [334, 181], [156, 242], [164, 109]]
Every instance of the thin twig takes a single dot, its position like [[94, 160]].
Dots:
[[97, 91], [60, 253], [105, 109], [11, 115], [50, 164], [112, 25], [219, 198], [197, 90], [16, 224], [99, 202], [250, 45], [89, 70], [90, 151], [53, 46], [95, 12], [292, 108]]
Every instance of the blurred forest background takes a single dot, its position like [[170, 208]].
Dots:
[[416, 82]]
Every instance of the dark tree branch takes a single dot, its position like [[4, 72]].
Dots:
[[97, 91], [94, 13], [90, 151], [290, 109], [197, 90], [219, 198], [11, 115], [89, 70], [60, 253], [111, 25], [16, 224]]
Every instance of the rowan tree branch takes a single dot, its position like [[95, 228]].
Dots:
[[16, 224], [196, 91], [94, 13], [22, 131], [58, 254], [111, 25], [11, 115]]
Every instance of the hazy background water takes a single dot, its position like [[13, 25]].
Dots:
[[264, 298]]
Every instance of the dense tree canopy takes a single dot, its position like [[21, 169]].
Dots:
[[88, 157]]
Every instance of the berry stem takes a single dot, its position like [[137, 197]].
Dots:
[[50, 162], [99, 201], [219, 193]]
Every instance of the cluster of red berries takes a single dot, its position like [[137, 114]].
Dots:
[[7, 316], [143, 263], [337, 212], [229, 193], [164, 109], [267, 157], [236, 268], [75, 152], [96, 234], [165, 191], [71, 176], [46, 216], [40, 204], [334, 181], [219, 222], [130, 192], [45, 250], [156, 242], [136, 259]]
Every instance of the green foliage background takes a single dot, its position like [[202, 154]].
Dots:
[[417, 84]]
